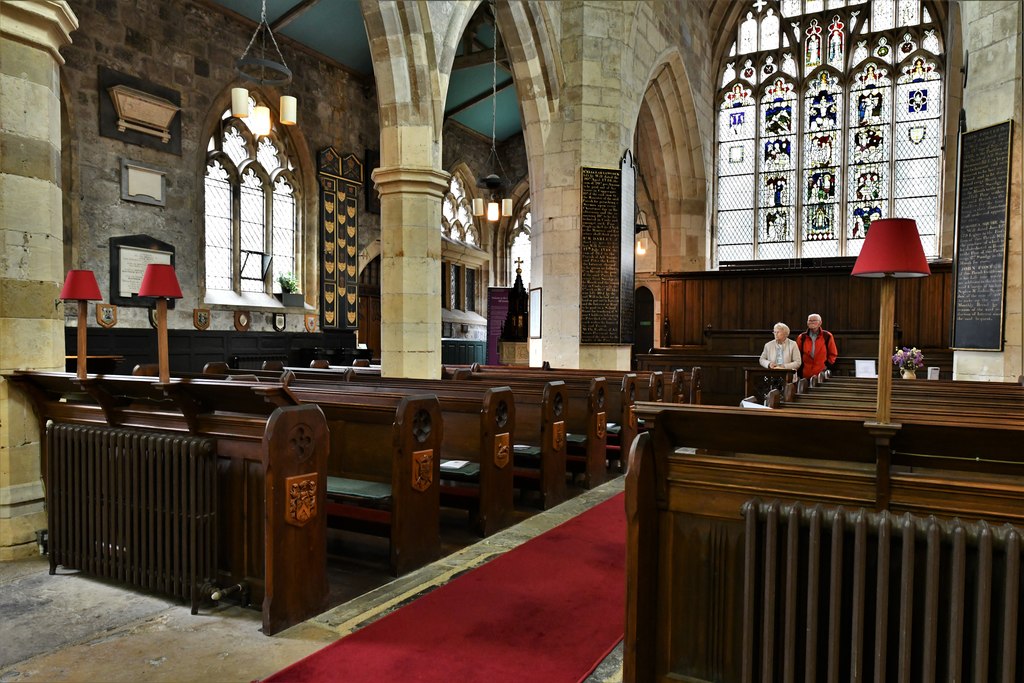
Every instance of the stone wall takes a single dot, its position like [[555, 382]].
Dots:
[[191, 48]]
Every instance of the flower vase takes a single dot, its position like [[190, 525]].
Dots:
[[908, 373]]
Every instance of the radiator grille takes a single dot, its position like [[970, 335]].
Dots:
[[133, 506], [855, 595]]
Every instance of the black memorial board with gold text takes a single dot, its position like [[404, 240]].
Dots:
[[606, 255], [981, 229], [341, 180]]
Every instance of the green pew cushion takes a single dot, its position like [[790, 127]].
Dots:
[[526, 456], [374, 493], [571, 438]]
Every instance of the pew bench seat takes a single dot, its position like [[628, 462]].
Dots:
[[358, 491]]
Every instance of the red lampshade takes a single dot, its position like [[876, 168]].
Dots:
[[160, 280], [81, 285], [892, 247]]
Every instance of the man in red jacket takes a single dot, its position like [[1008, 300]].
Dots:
[[817, 347]]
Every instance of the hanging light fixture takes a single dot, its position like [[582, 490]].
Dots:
[[497, 205], [642, 232], [266, 72]]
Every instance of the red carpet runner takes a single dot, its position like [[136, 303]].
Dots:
[[547, 611]]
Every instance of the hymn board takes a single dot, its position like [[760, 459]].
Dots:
[[981, 226], [607, 227]]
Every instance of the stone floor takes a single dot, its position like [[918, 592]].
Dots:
[[70, 627]]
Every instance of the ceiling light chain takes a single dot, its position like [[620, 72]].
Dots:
[[254, 69], [494, 182]]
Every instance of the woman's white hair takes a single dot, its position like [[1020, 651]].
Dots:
[[780, 326]]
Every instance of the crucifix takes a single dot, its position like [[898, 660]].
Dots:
[[519, 263]]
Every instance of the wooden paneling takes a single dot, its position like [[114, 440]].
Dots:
[[191, 349], [756, 299]]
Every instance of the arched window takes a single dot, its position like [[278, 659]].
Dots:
[[829, 117], [520, 247], [457, 215], [251, 211]]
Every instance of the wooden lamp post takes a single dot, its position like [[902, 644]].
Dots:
[[160, 281], [892, 249], [81, 285]]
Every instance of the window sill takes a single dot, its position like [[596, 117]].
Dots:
[[250, 301]]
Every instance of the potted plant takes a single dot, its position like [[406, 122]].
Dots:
[[290, 295]]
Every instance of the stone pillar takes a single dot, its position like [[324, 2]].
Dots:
[[993, 35], [31, 248], [410, 270], [594, 108]]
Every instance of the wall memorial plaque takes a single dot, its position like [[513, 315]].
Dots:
[[341, 178], [980, 266], [600, 239], [129, 256], [607, 218]]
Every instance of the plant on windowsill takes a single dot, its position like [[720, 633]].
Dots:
[[290, 295]]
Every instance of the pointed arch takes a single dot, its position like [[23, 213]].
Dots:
[[285, 147], [672, 184]]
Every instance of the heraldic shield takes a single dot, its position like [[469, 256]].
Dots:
[[301, 492]]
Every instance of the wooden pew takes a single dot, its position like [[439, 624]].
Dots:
[[539, 443], [478, 424], [933, 401], [383, 469], [585, 417], [266, 491], [699, 497], [621, 425], [686, 386]]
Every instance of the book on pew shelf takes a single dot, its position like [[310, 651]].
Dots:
[[453, 464], [751, 404]]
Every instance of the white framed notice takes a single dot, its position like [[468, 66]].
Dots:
[[535, 313], [133, 262], [864, 368]]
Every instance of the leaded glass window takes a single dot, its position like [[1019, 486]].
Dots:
[[457, 215], [251, 213], [828, 119], [519, 251]]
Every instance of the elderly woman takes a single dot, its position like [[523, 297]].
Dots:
[[781, 353]]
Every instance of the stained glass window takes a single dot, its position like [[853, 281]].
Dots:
[[251, 210], [814, 146]]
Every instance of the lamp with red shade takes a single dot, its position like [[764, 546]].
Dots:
[[80, 285], [892, 249], [160, 281]]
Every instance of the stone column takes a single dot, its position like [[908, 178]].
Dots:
[[592, 131], [31, 247], [992, 35], [410, 270]]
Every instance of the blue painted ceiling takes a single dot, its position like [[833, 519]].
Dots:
[[318, 24]]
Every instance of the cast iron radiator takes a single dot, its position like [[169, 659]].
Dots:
[[855, 595], [133, 506]]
